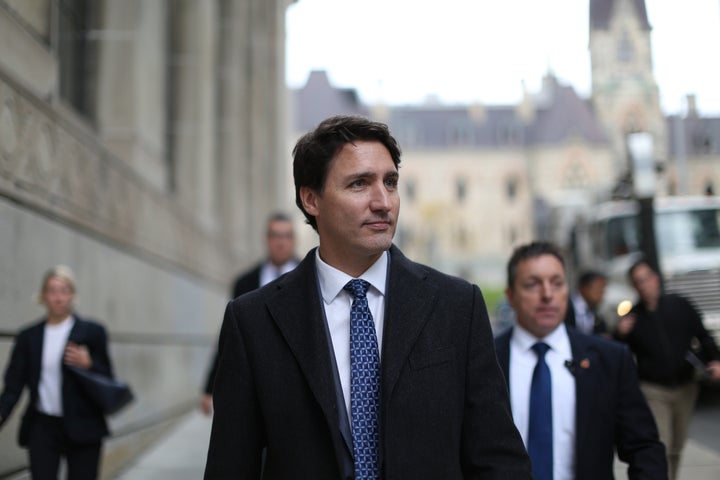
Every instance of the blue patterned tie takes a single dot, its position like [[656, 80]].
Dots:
[[540, 433], [364, 384]]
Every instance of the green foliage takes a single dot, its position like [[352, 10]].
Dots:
[[494, 296]]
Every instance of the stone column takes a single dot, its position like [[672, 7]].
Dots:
[[131, 84], [252, 149], [234, 127], [193, 72], [267, 108]]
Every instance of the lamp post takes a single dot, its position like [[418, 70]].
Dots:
[[640, 149]]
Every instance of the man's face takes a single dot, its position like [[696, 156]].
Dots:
[[594, 291], [539, 294], [358, 207], [58, 297], [280, 242], [646, 282]]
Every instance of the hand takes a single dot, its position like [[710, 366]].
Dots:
[[206, 405], [625, 325], [77, 355], [713, 370]]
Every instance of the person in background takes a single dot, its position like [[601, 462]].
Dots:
[[60, 419], [280, 245], [280, 259], [300, 373], [575, 398], [660, 330], [582, 313]]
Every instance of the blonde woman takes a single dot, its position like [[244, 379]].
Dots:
[[60, 420]]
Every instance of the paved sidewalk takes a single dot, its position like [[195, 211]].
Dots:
[[181, 456], [697, 463], [178, 456]]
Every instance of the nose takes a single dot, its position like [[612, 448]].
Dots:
[[380, 198], [547, 290]]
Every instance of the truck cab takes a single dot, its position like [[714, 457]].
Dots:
[[687, 234]]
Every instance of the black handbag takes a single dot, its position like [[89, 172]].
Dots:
[[109, 394]]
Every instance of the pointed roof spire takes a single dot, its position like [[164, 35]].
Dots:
[[601, 11]]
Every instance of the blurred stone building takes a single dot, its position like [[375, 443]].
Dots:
[[140, 144], [479, 179]]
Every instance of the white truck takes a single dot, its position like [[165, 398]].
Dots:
[[687, 233]]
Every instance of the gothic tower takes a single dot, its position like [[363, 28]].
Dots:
[[624, 92]]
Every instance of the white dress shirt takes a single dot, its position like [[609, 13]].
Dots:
[[55, 337], [584, 317], [522, 364], [337, 303], [269, 272]]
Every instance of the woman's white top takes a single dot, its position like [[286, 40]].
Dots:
[[55, 339]]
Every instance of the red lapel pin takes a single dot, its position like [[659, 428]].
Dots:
[[585, 363]]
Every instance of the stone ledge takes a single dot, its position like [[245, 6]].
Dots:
[[47, 165]]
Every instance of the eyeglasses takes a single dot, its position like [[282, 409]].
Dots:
[[280, 235]]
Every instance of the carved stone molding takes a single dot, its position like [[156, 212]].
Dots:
[[53, 167]]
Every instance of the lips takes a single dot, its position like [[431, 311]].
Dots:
[[384, 223]]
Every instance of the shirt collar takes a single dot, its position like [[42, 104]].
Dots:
[[333, 280], [557, 340], [580, 304], [284, 268]]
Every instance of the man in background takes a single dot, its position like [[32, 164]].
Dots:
[[280, 242], [280, 245], [583, 311], [575, 397], [660, 329]]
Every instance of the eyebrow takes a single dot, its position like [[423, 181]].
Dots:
[[551, 278], [388, 174]]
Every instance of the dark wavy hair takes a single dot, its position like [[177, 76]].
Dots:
[[527, 251], [315, 150]]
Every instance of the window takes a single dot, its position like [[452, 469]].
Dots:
[[625, 50], [702, 143], [575, 176], [507, 135], [460, 134], [623, 236], [511, 186], [461, 189], [687, 231], [410, 189], [77, 54]]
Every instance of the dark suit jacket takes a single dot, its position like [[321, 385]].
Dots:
[[444, 407], [83, 420], [610, 410], [248, 281], [600, 326]]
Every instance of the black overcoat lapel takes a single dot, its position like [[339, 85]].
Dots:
[[408, 305], [296, 309]]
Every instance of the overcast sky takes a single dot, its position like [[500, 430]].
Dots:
[[403, 51]]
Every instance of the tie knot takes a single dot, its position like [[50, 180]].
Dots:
[[541, 349], [357, 287]]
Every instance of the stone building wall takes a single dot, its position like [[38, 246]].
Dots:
[[141, 143]]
